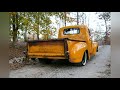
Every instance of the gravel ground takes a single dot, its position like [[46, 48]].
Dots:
[[97, 67]]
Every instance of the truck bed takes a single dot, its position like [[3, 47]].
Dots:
[[54, 48]]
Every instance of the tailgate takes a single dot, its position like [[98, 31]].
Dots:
[[47, 48]]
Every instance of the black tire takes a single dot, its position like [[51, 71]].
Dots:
[[84, 60], [47, 61], [97, 49], [33, 59]]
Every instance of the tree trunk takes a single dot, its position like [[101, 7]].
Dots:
[[13, 24], [106, 26], [77, 19], [15, 27], [46, 35], [82, 18], [65, 18], [37, 35], [14, 35], [38, 27], [85, 18], [88, 22], [25, 34], [106, 32]]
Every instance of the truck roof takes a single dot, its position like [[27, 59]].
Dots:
[[74, 26]]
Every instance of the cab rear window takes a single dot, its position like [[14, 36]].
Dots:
[[70, 31]]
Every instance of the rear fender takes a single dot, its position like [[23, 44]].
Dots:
[[76, 52]]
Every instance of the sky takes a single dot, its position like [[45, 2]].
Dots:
[[94, 22]]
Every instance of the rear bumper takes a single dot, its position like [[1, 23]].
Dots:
[[34, 56], [47, 55]]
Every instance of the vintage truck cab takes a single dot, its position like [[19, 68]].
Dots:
[[73, 43]]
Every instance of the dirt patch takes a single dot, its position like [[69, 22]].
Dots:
[[16, 50], [17, 63], [106, 73], [17, 57]]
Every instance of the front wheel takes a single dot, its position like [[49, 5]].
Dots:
[[84, 60], [97, 49]]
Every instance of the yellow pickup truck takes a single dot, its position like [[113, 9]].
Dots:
[[73, 44]]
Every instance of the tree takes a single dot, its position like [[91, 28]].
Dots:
[[65, 18], [25, 26], [77, 19], [37, 21], [14, 25], [24, 23], [80, 18], [106, 17]]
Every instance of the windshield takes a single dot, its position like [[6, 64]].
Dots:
[[71, 31]]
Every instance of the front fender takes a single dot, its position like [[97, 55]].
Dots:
[[76, 52], [95, 47]]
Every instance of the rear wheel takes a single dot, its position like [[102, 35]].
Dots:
[[84, 60]]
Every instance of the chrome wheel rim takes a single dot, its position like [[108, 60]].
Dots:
[[85, 60]]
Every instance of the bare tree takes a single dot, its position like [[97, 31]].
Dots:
[[38, 26], [15, 26], [65, 18], [77, 18], [82, 17], [106, 17], [88, 19]]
